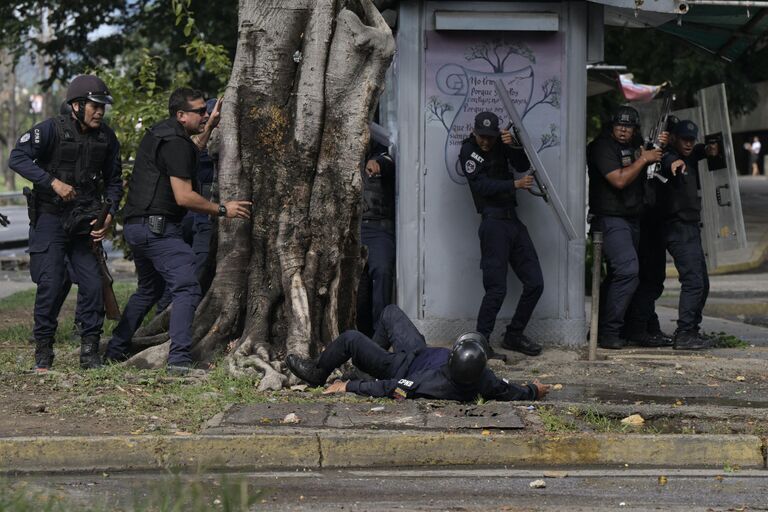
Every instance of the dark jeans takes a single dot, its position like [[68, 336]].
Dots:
[[50, 250], [620, 244], [372, 355], [160, 259], [641, 315], [507, 242], [684, 244], [375, 291]]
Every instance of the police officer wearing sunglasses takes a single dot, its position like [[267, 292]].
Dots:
[[162, 189]]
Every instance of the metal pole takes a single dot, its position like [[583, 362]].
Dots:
[[728, 3], [597, 261]]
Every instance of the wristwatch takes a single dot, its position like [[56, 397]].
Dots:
[[222, 210]]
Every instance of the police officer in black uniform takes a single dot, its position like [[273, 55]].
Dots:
[[616, 163], [411, 369], [680, 210], [504, 240], [377, 233], [197, 227], [73, 160], [160, 192]]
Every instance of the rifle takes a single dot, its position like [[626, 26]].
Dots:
[[652, 171], [110, 301], [541, 189]]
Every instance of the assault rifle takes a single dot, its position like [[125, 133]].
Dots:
[[110, 301], [652, 171]]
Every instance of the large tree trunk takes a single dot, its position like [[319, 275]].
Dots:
[[306, 77]]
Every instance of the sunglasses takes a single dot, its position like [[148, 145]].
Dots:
[[199, 111]]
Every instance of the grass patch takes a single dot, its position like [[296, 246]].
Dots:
[[169, 494], [723, 340], [555, 422]]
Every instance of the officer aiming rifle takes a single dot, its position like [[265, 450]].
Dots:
[[653, 141]]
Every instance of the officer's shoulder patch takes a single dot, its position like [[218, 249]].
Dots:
[[470, 167], [25, 138]]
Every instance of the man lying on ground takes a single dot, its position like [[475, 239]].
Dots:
[[411, 369]]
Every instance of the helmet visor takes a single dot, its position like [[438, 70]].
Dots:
[[99, 97]]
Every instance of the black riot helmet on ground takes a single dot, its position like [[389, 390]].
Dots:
[[468, 358], [87, 88], [626, 115]]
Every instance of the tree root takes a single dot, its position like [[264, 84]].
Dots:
[[145, 342], [159, 324]]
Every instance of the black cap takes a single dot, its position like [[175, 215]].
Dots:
[[686, 129], [487, 124]]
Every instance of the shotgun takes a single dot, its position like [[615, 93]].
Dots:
[[111, 307]]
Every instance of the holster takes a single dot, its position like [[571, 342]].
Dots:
[[32, 210]]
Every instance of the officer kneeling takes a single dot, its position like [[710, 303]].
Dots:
[[412, 369]]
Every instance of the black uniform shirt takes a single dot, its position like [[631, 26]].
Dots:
[[678, 199], [604, 155], [428, 377], [490, 173], [37, 145]]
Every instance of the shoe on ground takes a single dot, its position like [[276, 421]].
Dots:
[[611, 342], [307, 370], [690, 340], [89, 353], [184, 369], [650, 340], [43, 355], [519, 342]]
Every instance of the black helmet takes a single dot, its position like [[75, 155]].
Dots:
[[468, 358], [626, 115], [88, 87]]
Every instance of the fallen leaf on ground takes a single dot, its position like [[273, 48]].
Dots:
[[555, 474], [486, 432], [557, 386], [634, 419], [741, 378], [662, 480], [537, 484]]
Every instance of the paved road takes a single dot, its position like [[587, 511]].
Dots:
[[17, 232], [600, 489]]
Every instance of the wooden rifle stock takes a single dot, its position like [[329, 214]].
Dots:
[[111, 307]]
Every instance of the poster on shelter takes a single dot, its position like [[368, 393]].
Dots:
[[461, 68]]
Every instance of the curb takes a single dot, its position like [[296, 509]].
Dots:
[[331, 449]]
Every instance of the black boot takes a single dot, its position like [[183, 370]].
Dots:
[[43, 355], [307, 370], [690, 340], [89, 353], [519, 342]]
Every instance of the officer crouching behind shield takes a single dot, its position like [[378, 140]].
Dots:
[[161, 190], [488, 165], [616, 163], [73, 160], [412, 369]]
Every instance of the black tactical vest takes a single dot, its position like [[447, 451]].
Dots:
[[604, 198], [379, 192], [78, 159], [150, 191], [679, 198]]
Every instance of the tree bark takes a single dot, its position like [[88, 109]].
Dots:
[[306, 77]]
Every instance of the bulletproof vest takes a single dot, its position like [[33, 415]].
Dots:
[[604, 198], [679, 198], [495, 166], [378, 201], [78, 159], [150, 191]]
